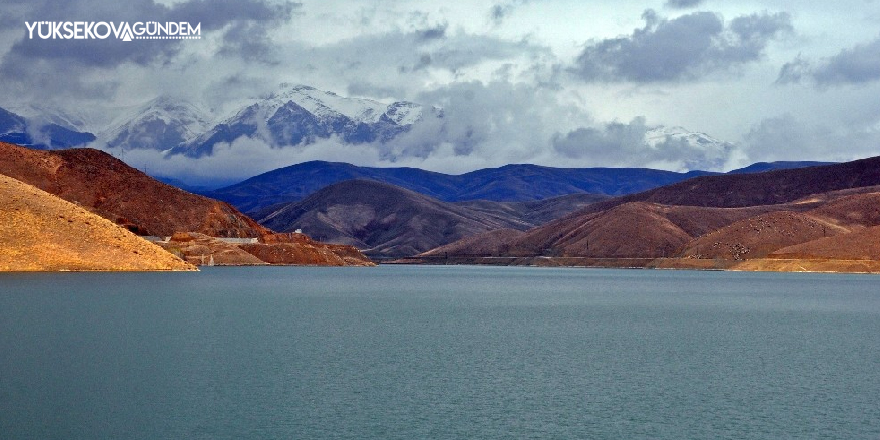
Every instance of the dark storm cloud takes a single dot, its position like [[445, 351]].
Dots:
[[682, 4], [212, 15], [860, 64], [500, 11], [250, 41], [684, 48], [31, 66], [433, 33], [383, 58]]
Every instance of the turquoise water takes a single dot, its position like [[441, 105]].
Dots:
[[439, 352]]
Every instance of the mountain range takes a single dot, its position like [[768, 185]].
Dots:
[[389, 221], [817, 218], [300, 115], [292, 115], [512, 183]]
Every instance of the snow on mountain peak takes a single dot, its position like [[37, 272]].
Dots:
[[161, 123], [702, 141], [327, 104]]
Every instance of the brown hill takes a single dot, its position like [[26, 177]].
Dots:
[[851, 211], [863, 244], [492, 243], [113, 190], [202, 250], [768, 188], [631, 230], [810, 185], [41, 232], [756, 237], [537, 212], [384, 220]]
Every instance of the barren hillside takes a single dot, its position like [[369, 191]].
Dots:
[[122, 194], [41, 232]]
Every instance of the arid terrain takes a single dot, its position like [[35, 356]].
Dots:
[[714, 222], [41, 232], [277, 249], [107, 186], [822, 218]]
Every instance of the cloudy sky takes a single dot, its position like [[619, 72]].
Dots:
[[554, 82]]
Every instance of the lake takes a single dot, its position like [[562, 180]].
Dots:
[[409, 352]]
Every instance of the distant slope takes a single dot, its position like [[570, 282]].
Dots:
[[630, 230], [769, 188], [296, 182], [760, 167], [860, 245], [493, 243], [112, 189], [535, 212], [822, 213], [756, 237], [508, 183], [41, 232], [760, 236], [383, 220]]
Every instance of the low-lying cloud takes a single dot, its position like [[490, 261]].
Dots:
[[625, 145]]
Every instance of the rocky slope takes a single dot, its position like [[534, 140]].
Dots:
[[383, 220], [276, 249], [41, 232], [112, 189]]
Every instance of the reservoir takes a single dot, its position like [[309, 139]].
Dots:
[[410, 352]]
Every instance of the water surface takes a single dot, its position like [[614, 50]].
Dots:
[[439, 352]]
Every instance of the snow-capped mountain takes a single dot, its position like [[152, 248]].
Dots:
[[696, 140], [161, 124], [41, 114], [42, 131], [293, 115], [302, 115]]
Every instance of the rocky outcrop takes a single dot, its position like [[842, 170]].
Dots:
[[276, 249], [300, 249], [202, 250]]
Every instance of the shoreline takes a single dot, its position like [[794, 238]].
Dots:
[[754, 265]]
